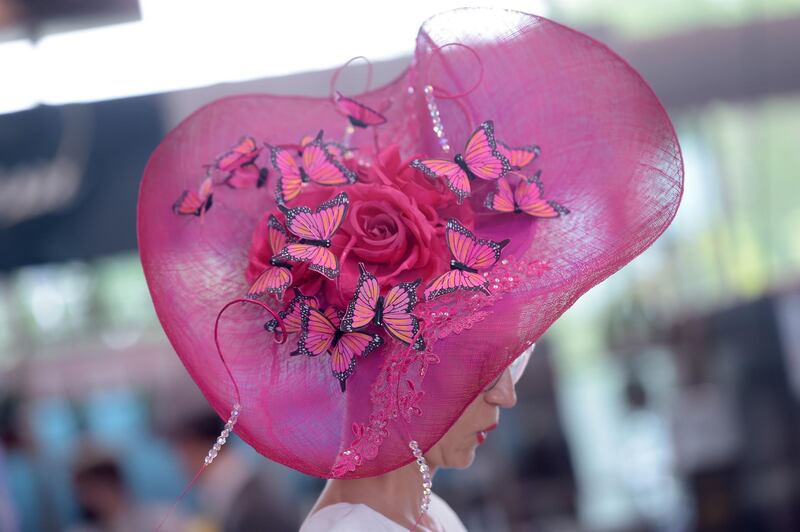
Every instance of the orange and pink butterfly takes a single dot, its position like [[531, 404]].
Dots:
[[320, 333], [359, 114], [319, 165], [239, 163], [469, 255], [482, 159], [527, 196], [344, 336], [392, 312], [239, 169], [191, 203], [306, 238]]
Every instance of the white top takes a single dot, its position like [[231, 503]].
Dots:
[[346, 517]]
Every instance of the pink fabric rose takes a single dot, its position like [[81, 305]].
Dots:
[[395, 226], [387, 231], [432, 196]]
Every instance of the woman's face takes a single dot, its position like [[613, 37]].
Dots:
[[457, 447]]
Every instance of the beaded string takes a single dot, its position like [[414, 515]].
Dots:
[[427, 480], [237, 407], [422, 464], [223, 437], [432, 92], [436, 118]]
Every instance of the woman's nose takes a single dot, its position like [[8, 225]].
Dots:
[[503, 393]]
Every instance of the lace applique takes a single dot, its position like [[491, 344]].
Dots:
[[394, 395]]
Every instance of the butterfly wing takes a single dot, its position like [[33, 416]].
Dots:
[[397, 318], [188, 204], [482, 156], [470, 251], [305, 141], [529, 197], [335, 315], [456, 179], [444, 284], [338, 150], [247, 176], [316, 332], [322, 224], [344, 353], [359, 114], [520, 156], [502, 199], [276, 235], [361, 308], [274, 280], [291, 314], [323, 168], [290, 181], [245, 152], [191, 203], [454, 280], [320, 259]]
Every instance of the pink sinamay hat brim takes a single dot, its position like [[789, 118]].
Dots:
[[609, 153]]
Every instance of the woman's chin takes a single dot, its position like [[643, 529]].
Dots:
[[464, 458]]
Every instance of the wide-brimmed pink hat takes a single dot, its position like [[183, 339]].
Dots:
[[390, 253]]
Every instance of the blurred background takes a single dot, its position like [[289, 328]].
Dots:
[[666, 399]]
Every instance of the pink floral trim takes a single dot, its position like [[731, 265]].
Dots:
[[394, 394]]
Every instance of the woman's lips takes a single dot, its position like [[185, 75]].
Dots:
[[482, 434]]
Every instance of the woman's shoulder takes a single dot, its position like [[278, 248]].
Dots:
[[348, 517]]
